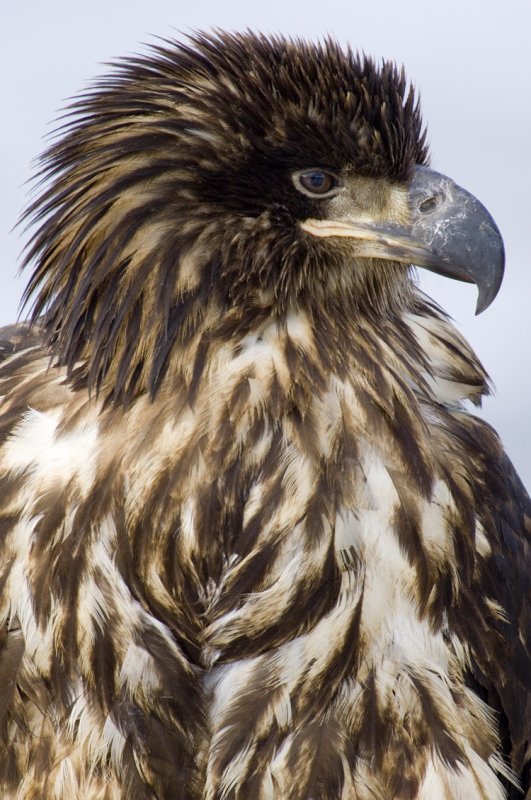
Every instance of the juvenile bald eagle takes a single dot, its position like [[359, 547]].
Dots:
[[254, 546]]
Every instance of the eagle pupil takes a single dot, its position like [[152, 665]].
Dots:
[[317, 182]]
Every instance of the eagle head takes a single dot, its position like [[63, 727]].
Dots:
[[210, 185]]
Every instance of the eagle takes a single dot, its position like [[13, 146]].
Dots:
[[254, 543]]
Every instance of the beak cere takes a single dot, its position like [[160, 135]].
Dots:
[[450, 232]]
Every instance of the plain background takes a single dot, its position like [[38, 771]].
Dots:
[[470, 60]]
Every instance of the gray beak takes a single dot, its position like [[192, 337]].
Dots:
[[450, 232]]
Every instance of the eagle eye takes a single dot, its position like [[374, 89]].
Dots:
[[315, 182]]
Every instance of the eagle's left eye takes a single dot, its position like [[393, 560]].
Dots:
[[315, 182]]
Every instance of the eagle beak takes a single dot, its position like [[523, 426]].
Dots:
[[449, 232]]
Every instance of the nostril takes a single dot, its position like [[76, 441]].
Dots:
[[429, 204]]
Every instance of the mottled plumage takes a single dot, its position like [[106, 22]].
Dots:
[[254, 544]]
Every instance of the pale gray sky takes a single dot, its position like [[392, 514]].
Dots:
[[470, 59]]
